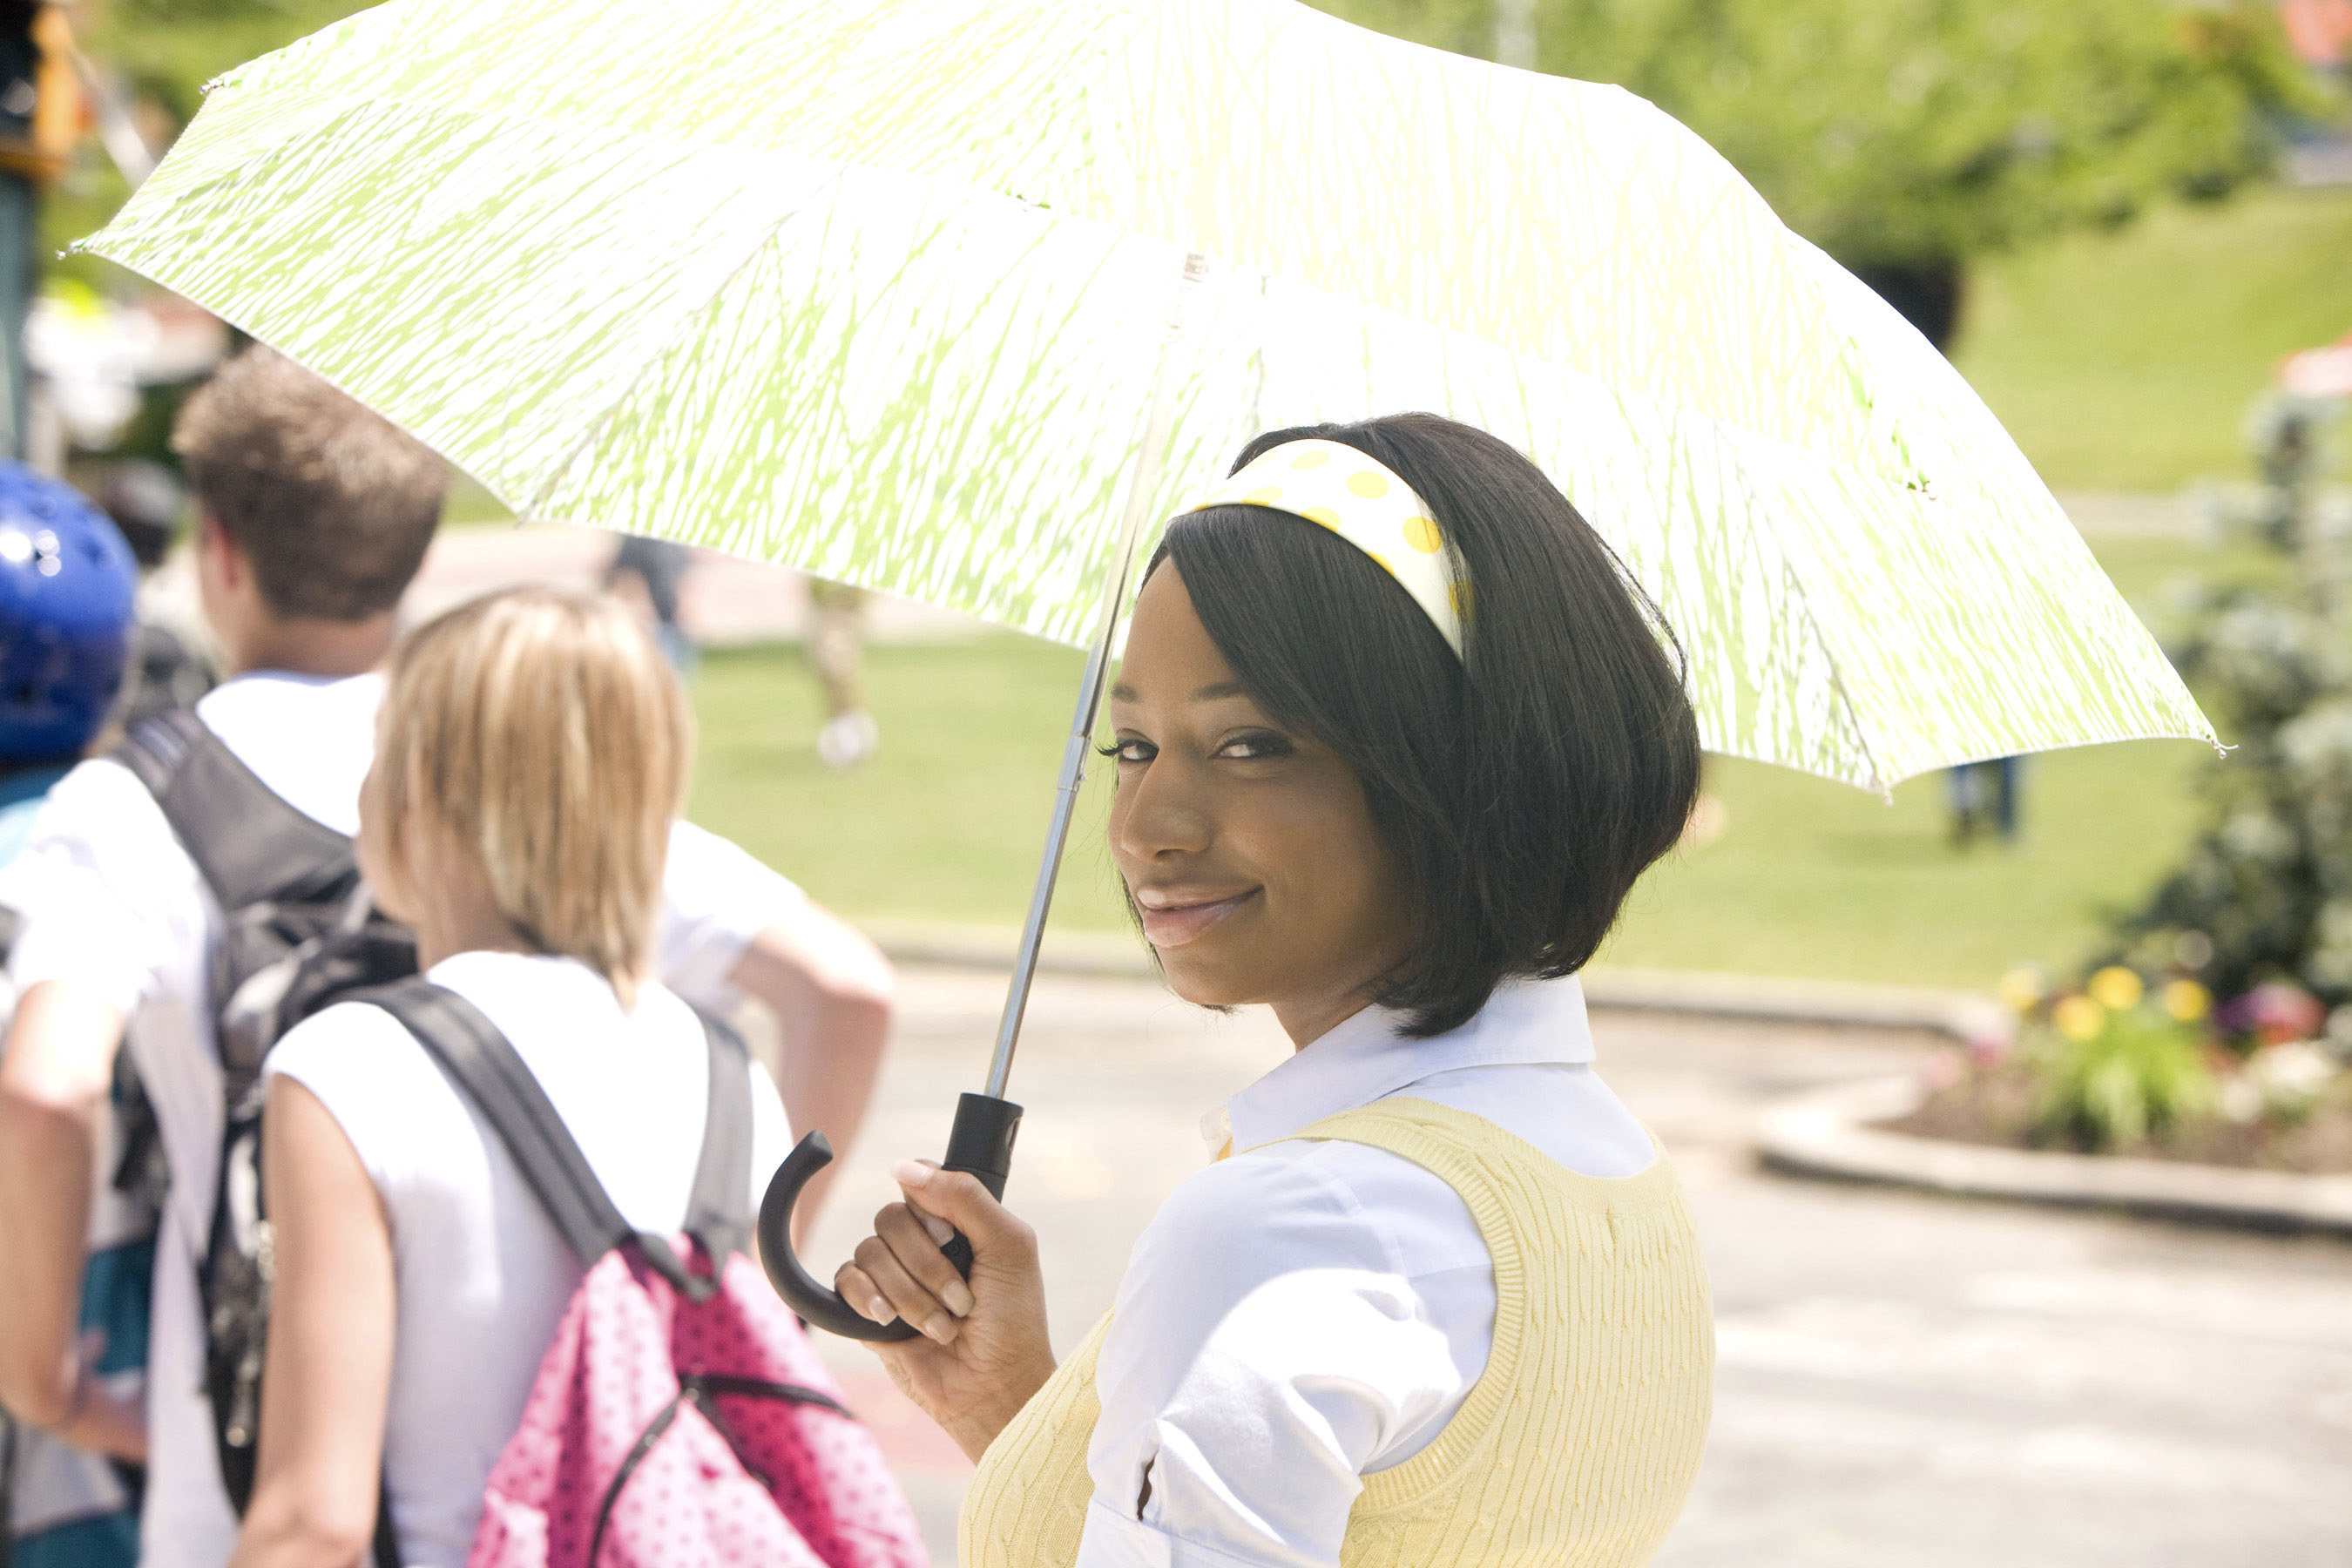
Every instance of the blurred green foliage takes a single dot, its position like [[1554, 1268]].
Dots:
[[1921, 133], [2140, 1076], [164, 52], [2126, 360], [168, 49]]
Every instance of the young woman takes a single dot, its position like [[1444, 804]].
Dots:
[[531, 754], [1394, 735]]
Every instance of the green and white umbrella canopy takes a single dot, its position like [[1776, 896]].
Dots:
[[878, 289]]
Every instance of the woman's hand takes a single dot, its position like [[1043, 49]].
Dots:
[[982, 1350]]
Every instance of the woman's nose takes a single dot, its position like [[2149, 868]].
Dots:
[[1159, 811]]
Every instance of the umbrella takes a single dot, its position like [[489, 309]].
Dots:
[[953, 298]]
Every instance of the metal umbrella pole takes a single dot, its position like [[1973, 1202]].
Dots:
[[980, 1142]]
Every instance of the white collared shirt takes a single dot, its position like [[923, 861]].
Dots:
[[1303, 1313]]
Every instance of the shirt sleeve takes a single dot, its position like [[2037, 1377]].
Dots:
[[716, 898], [1267, 1348], [107, 896]]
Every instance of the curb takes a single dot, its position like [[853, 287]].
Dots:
[[1963, 1016], [1826, 1133], [1108, 954], [1822, 1133]]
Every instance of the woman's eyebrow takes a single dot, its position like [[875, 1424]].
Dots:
[[1215, 692]]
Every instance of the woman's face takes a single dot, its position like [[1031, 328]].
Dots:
[[1247, 848]]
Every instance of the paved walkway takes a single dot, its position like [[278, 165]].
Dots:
[[1906, 1381], [723, 601]]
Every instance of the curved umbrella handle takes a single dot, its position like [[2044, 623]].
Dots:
[[980, 1145]]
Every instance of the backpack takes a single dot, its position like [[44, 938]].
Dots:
[[680, 1417], [299, 933]]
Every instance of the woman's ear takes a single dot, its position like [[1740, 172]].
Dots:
[[376, 850]]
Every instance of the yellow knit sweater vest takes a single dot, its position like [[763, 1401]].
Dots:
[[1575, 1448]]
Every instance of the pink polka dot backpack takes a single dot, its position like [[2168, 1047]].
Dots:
[[681, 1419]]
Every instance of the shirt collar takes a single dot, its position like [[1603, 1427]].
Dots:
[[1369, 1057]]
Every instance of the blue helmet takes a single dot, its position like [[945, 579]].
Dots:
[[67, 580]]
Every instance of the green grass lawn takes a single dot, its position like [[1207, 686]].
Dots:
[[2127, 361], [1811, 878], [946, 823]]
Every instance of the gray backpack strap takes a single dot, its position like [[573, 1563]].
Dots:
[[719, 1214], [244, 838], [488, 1071]]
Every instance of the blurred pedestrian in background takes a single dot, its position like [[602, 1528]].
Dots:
[[838, 650], [656, 568], [67, 583], [41, 115], [1985, 799]]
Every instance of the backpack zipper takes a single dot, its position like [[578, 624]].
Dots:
[[701, 1389]]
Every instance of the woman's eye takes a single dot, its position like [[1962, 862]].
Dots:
[[1255, 746], [1128, 750]]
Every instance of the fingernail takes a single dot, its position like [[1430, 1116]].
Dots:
[[957, 1298], [939, 1230], [879, 1311], [941, 1329], [910, 1174]]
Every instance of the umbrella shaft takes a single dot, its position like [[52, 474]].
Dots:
[[1143, 485]]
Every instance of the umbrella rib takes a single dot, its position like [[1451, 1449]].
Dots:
[[1848, 711], [595, 428]]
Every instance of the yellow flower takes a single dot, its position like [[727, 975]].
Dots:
[[2019, 990], [2079, 1019], [2115, 986], [2186, 1001]]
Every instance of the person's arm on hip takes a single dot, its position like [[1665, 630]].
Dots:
[[327, 1378]]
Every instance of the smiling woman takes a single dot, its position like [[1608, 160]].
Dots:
[[1246, 844], [1394, 736]]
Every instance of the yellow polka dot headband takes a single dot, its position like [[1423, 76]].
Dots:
[[1365, 503]]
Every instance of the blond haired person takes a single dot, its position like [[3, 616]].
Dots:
[[313, 516], [531, 756]]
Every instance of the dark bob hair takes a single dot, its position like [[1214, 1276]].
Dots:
[[1523, 788]]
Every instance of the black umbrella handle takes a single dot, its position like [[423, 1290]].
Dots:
[[980, 1145]]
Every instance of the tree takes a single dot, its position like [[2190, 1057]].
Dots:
[[168, 49], [162, 52], [1909, 137]]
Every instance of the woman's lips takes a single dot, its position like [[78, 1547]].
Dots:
[[1174, 923]]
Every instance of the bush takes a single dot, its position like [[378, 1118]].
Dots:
[[2113, 1076]]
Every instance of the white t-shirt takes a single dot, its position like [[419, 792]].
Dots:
[[1303, 1314], [110, 901], [482, 1275]]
